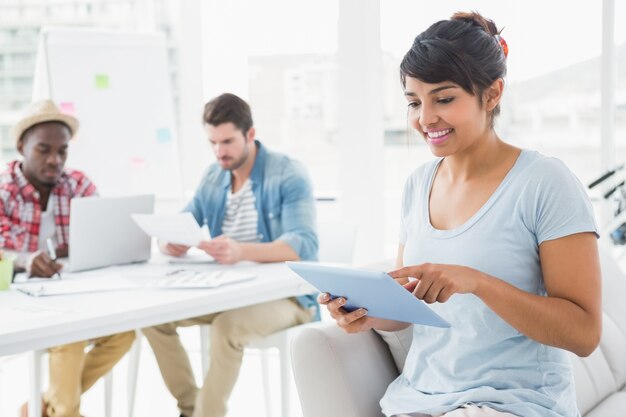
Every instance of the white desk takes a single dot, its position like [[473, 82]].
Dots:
[[42, 322]]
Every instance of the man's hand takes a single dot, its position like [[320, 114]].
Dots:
[[63, 252], [173, 249], [39, 264], [223, 249]]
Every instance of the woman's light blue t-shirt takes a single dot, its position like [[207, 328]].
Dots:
[[481, 359]]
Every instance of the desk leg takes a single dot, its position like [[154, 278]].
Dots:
[[34, 400], [133, 369]]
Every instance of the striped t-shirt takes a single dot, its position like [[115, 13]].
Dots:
[[240, 216]]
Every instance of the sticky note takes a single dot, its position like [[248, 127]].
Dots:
[[163, 135], [67, 108], [137, 162], [102, 81]]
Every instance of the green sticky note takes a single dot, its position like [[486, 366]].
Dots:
[[102, 81]]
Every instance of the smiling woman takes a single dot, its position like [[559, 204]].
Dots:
[[444, 111], [500, 240]]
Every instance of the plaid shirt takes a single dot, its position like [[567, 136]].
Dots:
[[21, 211]]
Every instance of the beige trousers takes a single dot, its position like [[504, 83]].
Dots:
[[469, 410], [72, 371], [230, 332]]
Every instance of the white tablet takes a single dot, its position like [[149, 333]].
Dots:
[[375, 291]]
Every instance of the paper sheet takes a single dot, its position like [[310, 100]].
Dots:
[[201, 279], [179, 228], [194, 256], [26, 313], [97, 283]]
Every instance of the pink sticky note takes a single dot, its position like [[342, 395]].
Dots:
[[137, 162], [67, 108]]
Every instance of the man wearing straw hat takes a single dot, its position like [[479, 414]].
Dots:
[[35, 196]]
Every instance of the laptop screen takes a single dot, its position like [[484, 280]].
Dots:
[[102, 232]]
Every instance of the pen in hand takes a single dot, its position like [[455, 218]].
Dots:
[[53, 254]]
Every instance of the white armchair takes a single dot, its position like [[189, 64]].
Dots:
[[339, 374]]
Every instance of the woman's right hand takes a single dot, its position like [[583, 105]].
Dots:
[[351, 322]]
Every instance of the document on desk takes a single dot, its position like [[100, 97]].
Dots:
[[201, 279], [15, 314], [194, 256], [180, 228], [97, 283]]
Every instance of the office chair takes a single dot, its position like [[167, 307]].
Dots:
[[336, 245]]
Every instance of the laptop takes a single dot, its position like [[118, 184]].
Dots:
[[102, 232]]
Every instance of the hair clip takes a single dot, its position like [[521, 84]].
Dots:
[[503, 45]]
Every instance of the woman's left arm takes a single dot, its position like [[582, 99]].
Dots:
[[569, 317]]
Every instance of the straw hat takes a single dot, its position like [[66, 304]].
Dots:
[[41, 112]]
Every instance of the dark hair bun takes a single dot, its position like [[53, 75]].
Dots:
[[477, 19]]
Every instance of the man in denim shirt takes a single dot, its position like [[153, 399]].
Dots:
[[259, 207]]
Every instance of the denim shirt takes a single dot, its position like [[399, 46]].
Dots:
[[284, 202]]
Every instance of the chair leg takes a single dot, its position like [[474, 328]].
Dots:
[[108, 393], [281, 341], [285, 376], [2, 389], [265, 370], [133, 370], [204, 348], [34, 399]]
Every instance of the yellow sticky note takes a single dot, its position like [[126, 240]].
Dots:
[[102, 81]]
